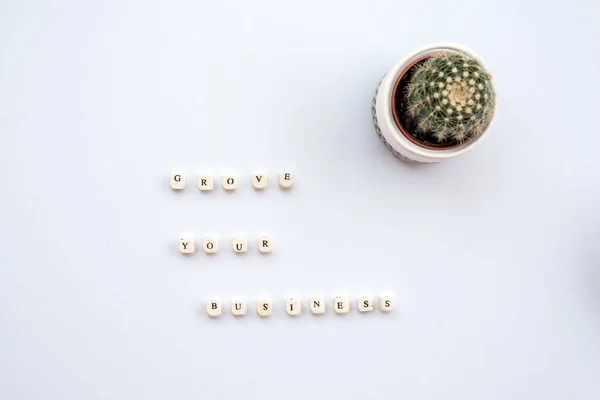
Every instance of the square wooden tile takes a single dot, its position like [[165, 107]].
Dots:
[[317, 305], [206, 183], [213, 308], [341, 305], [210, 245], [264, 308], [260, 181], [293, 306], [240, 244], [238, 307], [286, 180], [177, 181], [265, 244], [365, 304], [230, 182], [387, 303], [187, 245]]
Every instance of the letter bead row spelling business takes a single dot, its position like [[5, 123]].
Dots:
[[293, 306], [230, 182], [210, 245]]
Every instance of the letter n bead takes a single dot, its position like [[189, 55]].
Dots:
[[317, 305]]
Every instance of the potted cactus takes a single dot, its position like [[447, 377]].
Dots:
[[435, 104]]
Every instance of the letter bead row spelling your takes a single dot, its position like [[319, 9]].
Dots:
[[293, 306], [230, 182], [210, 245]]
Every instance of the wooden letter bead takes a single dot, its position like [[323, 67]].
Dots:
[[264, 308], [317, 305], [177, 181], [265, 244], [293, 306], [213, 308], [238, 308], [259, 181], [286, 180], [387, 303], [210, 245], [365, 304], [230, 182], [240, 244], [187, 245], [206, 183], [341, 305]]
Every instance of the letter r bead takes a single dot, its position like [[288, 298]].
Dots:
[[265, 244]]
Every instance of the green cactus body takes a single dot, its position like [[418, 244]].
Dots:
[[451, 96]]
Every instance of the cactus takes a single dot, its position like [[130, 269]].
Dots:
[[451, 96]]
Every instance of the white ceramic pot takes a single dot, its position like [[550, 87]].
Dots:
[[389, 131]]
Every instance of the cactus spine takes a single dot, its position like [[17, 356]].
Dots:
[[451, 96]]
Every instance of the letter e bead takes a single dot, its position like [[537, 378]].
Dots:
[[286, 180], [341, 305]]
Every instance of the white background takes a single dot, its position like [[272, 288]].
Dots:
[[493, 256]]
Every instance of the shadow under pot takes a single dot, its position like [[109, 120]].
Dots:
[[435, 104]]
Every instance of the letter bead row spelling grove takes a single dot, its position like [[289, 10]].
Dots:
[[230, 182], [210, 245], [293, 306]]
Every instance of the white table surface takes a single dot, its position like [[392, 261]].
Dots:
[[493, 257]]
